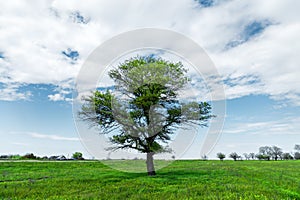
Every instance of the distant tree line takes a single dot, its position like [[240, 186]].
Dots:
[[265, 153], [31, 156]]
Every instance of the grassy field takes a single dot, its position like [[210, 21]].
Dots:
[[180, 180]]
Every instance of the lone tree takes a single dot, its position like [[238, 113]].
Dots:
[[143, 109], [221, 156], [234, 156], [77, 156]]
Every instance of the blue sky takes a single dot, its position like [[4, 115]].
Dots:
[[254, 46]]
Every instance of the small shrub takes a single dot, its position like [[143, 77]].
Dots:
[[29, 156]]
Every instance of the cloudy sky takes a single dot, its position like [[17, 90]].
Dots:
[[253, 44]]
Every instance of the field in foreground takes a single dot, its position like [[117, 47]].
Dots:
[[180, 180]]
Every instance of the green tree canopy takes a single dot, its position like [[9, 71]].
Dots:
[[221, 156], [77, 156], [143, 109]]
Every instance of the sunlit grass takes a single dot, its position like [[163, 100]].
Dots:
[[180, 180]]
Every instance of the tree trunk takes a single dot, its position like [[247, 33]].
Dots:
[[150, 164]]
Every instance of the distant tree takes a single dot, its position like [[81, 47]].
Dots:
[[53, 157], [252, 155], [29, 156], [276, 152], [221, 156], [45, 158], [204, 157], [261, 157], [247, 156], [287, 156], [297, 155], [62, 157], [265, 153], [4, 157], [77, 156], [258, 156], [234, 156]]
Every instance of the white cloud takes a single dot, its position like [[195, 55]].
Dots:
[[20, 144], [63, 90], [285, 126], [53, 137], [59, 97], [34, 35], [56, 97], [272, 59], [271, 56], [11, 93]]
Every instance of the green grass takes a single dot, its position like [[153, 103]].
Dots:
[[180, 180]]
